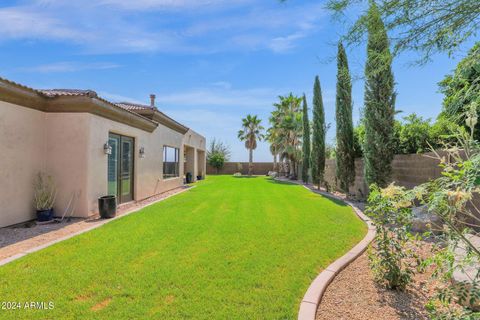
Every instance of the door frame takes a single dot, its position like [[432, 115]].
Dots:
[[121, 138]]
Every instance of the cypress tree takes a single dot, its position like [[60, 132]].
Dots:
[[318, 136], [345, 153], [306, 142], [379, 103]]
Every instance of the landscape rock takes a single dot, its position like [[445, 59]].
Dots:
[[424, 221], [466, 275]]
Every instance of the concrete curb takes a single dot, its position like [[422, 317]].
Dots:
[[314, 294], [95, 226]]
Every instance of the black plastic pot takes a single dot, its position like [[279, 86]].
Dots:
[[107, 206], [45, 215], [199, 178], [189, 177]]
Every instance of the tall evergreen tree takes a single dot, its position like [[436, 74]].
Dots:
[[306, 142], [318, 136], [379, 103], [345, 153]]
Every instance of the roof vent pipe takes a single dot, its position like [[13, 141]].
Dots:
[[152, 100]]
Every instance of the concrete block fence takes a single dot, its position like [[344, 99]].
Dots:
[[409, 171]]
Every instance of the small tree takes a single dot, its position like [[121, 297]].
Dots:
[[318, 136], [217, 154], [379, 99], [306, 142], [345, 153]]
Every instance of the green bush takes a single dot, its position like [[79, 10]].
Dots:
[[390, 257]]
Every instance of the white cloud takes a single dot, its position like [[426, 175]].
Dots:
[[24, 22], [282, 44], [221, 97], [70, 67], [115, 26]]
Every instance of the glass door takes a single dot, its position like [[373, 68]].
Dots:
[[126, 169], [120, 167]]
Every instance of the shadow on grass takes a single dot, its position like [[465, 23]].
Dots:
[[246, 177], [288, 183], [331, 198]]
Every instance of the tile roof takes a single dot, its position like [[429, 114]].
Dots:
[[134, 106], [68, 92]]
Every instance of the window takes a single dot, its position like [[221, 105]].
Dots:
[[171, 162]]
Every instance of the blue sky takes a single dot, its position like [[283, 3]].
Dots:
[[210, 62]]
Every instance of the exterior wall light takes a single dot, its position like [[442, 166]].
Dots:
[[141, 152], [107, 148]]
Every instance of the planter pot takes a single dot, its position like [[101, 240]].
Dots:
[[199, 178], [189, 177], [45, 215], [107, 206]]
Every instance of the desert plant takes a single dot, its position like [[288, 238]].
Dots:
[[45, 192], [390, 256]]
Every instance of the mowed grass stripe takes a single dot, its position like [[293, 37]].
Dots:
[[231, 248]]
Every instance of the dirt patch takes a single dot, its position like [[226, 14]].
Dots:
[[169, 299], [101, 305], [354, 295]]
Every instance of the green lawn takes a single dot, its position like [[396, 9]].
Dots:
[[231, 248]]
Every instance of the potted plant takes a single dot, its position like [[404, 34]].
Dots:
[[45, 193]]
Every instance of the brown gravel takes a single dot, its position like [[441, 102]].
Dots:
[[353, 295], [18, 239]]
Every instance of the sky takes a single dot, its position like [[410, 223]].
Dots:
[[210, 62]]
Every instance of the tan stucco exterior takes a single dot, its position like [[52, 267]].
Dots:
[[70, 147]]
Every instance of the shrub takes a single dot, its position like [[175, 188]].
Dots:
[[216, 160], [390, 211], [414, 134]]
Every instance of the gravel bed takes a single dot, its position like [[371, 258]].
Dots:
[[354, 295]]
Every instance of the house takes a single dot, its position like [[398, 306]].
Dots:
[[91, 146]]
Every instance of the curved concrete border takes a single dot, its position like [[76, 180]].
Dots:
[[314, 294], [101, 223]]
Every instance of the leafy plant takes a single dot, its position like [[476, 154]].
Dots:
[[390, 257], [45, 192], [217, 154]]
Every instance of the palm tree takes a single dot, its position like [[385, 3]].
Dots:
[[272, 138], [286, 121], [251, 133]]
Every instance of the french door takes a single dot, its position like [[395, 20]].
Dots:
[[120, 167]]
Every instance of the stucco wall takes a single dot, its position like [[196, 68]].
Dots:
[[148, 177], [66, 158], [22, 138], [194, 149]]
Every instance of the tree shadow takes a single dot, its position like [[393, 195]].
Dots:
[[245, 177], [288, 183]]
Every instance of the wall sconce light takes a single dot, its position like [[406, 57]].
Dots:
[[141, 152], [107, 148]]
